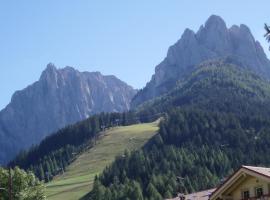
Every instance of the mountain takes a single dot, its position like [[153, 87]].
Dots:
[[60, 97], [213, 88], [216, 120], [212, 41]]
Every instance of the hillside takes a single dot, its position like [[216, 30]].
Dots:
[[59, 98], [217, 120], [217, 85], [194, 150], [79, 176], [58, 150]]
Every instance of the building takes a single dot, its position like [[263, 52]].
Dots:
[[202, 195], [246, 183]]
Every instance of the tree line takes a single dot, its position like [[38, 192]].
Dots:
[[217, 120], [58, 150], [194, 150]]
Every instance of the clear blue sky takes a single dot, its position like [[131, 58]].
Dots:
[[121, 37]]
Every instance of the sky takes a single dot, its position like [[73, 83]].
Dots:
[[121, 37]]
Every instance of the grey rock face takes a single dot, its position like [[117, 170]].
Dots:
[[59, 98], [213, 40]]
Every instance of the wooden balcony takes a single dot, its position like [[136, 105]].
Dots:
[[263, 197]]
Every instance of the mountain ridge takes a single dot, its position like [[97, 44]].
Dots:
[[212, 41], [208, 80], [60, 97]]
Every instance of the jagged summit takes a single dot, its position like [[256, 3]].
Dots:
[[50, 66], [60, 97], [215, 21], [50, 71], [188, 33], [212, 41], [68, 69]]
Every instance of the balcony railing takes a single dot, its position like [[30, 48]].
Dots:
[[263, 197]]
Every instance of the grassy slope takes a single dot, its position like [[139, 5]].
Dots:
[[77, 180]]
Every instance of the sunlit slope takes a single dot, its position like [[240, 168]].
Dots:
[[78, 178]]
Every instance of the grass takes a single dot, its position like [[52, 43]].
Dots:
[[78, 179]]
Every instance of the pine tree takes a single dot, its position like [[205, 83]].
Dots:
[[137, 191], [267, 34], [168, 194], [98, 192], [56, 168], [48, 170], [152, 192], [41, 172]]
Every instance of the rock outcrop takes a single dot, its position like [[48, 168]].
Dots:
[[60, 97], [212, 41]]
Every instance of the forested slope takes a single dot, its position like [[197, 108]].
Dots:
[[80, 174], [217, 85], [58, 150], [217, 119]]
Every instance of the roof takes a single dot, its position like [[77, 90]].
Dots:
[[202, 195], [260, 170]]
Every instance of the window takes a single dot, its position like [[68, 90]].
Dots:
[[259, 192], [245, 194]]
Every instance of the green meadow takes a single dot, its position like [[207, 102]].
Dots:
[[77, 181]]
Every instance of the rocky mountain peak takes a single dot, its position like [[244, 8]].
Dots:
[[212, 41], [215, 22], [188, 33], [49, 73], [51, 68], [68, 69], [245, 32], [214, 35], [60, 97]]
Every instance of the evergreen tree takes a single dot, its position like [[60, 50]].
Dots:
[[152, 192], [267, 34], [41, 172], [98, 190], [137, 191], [24, 185]]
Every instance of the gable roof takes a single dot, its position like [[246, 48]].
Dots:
[[202, 195], [260, 172]]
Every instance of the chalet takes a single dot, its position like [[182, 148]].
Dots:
[[247, 183]]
